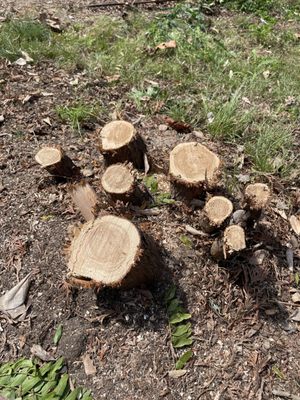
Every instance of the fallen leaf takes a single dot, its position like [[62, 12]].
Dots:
[[16, 296], [162, 127], [146, 164], [167, 45], [20, 61], [179, 126], [282, 213], [295, 224], [89, 367], [113, 78], [296, 297], [246, 100], [54, 24], [210, 117], [266, 74], [37, 351], [1, 119], [74, 82], [244, 178], [47, 121], [58, 334], [177, 373], [290, 101], [296, 315], [26, 57]]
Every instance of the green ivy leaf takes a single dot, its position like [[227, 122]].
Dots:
[[170, 294], [182, 329], [184, 359], [181, 341], [179, 317]]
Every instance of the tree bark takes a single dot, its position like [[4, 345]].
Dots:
[[256, 197], [85, 199], [120, 142], [111, 251], [193, 169]]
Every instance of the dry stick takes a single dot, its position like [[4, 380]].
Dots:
[[116, 3], [287, 395], [85, 199], [111, 251]]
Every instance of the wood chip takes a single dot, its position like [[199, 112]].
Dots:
[[177, 373], [295, 224], [89, 367], [296, 297]]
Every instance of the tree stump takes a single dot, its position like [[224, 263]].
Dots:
[[232, 242], [56, 162], [85, 199], [215, 213], [119, 183], [111, 251], [256, 197], [120, 142], [193, 168]]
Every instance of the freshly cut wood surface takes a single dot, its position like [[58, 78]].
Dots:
[[54, 160], [85, 199], [116, 134], [215, 212], [257, 196], [232, 241], [120, 142], [117, 179], [193, 163], [105, 250]]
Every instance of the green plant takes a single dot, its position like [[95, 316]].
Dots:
[[181, 331], [77, 114], [159, 198], [26, 379]]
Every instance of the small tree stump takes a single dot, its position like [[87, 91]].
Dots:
[[56, 162], [119, 183], [85, 199], [232, 242], [256, 197], [215, 213], [111, 251], [120, 142], [193, 168]]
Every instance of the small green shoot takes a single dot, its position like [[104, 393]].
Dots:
[[297, 278], [77, 114], [277, 372], [181, 362], [186, 241], [58, 334], [159, 198]]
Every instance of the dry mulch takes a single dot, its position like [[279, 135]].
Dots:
[[240, 315]]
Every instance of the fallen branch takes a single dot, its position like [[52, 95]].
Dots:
[[117, 3]]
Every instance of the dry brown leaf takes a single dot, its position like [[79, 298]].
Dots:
[[167, 45], [295, 224], [16, 296], [177, 373], [296, 297], [89, 367], [179, 126], [37, 351]]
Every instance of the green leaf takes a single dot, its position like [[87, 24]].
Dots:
[[184, 359], [62, 385], [86, 395], [182, 329], [186, 240], [174, 306], [29, 383], [297, 278], [58, 334], [181, 341], [276, 371], [170, 294], [74, 394], [179, 317], [151, 183], [164, 198]]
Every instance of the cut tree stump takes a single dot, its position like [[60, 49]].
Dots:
[[256, 197], [233, 241], [193, 168], [56, 162], [85, 199], [120, 142], [111, 251], [119, 183], [215, 213]]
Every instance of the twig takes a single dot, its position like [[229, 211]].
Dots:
[[287, 395], [194, 231], [117, 3]]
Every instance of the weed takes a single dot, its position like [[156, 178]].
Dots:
[[158, 197], [77, 114]]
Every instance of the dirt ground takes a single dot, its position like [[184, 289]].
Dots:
[[245, 342]]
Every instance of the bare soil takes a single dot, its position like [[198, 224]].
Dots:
[[241, 315]]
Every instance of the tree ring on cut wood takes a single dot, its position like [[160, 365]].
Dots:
[[56, 162], [257, 196], [232, 242], [215, 213], [193, 167], [120, 142], [111, 251]]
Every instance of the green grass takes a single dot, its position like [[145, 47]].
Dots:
[[77, 114], [228, 76]]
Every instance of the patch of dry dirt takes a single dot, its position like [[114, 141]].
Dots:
[[240, 316]]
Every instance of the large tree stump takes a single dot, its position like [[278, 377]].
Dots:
[[215, 213], [56, 162], [119, 183], [111, 251], [193, 168], [232, 242], [120, 142], [256, 197], [85, 199]]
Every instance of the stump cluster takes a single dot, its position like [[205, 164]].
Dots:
[[109, 250]]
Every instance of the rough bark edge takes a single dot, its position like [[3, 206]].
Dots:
[[91, 213]]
